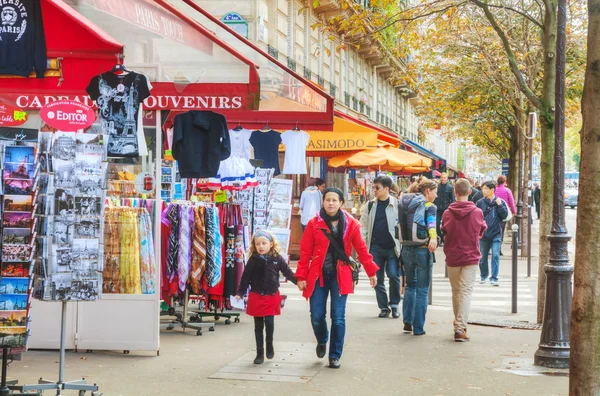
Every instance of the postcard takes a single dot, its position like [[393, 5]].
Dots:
[[15, 170], [14, 252], [89, 143], [64, 146], [16, 235], [88, 206], [283, 236], [18, 203], [14, 285], [64, 230], [13, 318], [13, 302], [64, 173], [88, 164], [280, 216], [17, 220], [45, 142], [85, 254], [19, 154], [15, 269], [13, 337], [60, 286], [90, 184], [88, 228], [18, 186], [62, 258], [281, 191]]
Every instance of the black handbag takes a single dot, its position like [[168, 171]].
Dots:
[[354, 264]]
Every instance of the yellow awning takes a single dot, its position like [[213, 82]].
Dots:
[[383, 158]]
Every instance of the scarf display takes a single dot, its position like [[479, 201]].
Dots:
[[198, 250]]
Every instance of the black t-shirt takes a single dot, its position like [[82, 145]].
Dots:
[[266, 148], [22, 40], [118, 98], [381, 233]]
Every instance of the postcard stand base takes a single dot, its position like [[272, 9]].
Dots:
[[82, 386]]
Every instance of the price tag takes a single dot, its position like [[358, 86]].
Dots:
[[220, 196], [169, 155]]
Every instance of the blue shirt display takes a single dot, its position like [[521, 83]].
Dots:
[[266, 148]]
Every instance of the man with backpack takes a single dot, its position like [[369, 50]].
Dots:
[[379, 220], [495, 210]]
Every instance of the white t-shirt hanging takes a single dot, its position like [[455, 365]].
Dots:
[[295, 152]]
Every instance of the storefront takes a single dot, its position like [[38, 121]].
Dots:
[[190, 67]]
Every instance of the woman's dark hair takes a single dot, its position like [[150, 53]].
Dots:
[[334, 190], [501, 179], [319, 182], [489, 184]]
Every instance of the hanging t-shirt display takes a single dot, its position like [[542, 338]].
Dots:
[[118, 98], [266, 148], [295, 152], [22, 40]]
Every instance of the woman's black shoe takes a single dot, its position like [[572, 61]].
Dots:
[[407, 327], [260, 356], [270, 350], [321, 349], [334, 363]]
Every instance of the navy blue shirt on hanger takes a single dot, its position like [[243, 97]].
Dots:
[[266, 148]]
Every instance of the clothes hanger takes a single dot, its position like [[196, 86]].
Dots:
[[266, 128], [239, 127], [296, 129], [120, 67]]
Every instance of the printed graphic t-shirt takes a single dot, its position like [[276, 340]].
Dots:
[[266, 148], [22, 40], [118, 98], [295, 152]]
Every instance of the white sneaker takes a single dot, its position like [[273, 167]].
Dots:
[[494, 283], [483, 281]]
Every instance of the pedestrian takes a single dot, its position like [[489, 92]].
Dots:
[[323, 271], [495, 210], [504, 193], [264, 301], [478, 186], [311, 201], [445, 196], [536, 198], [464, 226], [395, 190], [475, 195], [417, 222], [379, 230]]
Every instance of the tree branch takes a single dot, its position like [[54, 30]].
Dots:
[[512, 59], [522, 13]]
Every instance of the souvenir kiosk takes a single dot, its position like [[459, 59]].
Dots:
[[188, 67]]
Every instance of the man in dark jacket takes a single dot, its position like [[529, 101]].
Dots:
[[536, 198], [475, 195], [445, 196], [494, 211]]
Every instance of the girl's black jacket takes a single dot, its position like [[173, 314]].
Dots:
[[262, 274]]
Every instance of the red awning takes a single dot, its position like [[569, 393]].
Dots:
[[382, 134], [84, 48]]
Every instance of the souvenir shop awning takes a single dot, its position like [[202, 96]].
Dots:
[[77, 50], [422, 150], [383, 158], [383, 136]]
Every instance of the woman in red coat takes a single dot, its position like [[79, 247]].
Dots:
[[322, 272]]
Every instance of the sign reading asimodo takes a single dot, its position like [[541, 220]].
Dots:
[[347, 141]]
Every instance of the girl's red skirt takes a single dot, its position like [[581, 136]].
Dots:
[[259, 305]]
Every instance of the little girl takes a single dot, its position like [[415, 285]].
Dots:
[[262, 275]]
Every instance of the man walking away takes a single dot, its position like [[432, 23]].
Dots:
[[445, 196], [536, 198], [463, 225], [475, 195], [379, 220], [311, 201], [494, 211]]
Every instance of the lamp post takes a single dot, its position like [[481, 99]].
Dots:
[[532, 130], [554, 346], [520, 177]]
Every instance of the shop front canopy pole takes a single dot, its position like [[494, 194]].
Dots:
[[80, 385]]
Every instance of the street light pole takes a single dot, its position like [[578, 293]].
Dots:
[[532, 128], [520, 176], [554, 346]]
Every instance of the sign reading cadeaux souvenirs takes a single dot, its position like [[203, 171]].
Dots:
[[72, 193]]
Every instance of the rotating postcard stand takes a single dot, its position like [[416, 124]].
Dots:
[[70, 260]]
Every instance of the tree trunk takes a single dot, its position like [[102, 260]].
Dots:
[[585, 315], [547, 157]]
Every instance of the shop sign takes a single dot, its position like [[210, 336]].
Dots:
[[67, 115], [155, 19], [348, 141], [11, 116]]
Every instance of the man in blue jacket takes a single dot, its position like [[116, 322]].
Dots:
[[494, 211]]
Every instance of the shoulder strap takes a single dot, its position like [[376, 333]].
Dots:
[[338, 249], [370, 206]]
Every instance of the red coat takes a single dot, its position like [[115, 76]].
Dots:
[[313, 249]]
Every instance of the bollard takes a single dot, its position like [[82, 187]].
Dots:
[[515, 266]]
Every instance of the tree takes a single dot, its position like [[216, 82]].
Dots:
[[585, 315], [503, 16]]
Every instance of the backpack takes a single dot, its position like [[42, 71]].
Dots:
[[411, 220]]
